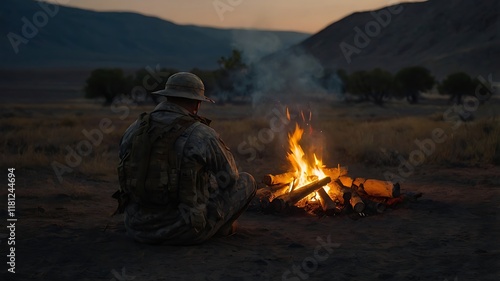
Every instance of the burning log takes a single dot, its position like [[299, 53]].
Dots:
[[375, 207], [339, 191], [380, 188], [335, 173], [261, 199], [289, 199], [356, 202], [327, 203], [346, 181], [340, 184], [278, 187], [278, 179], [358, 181], [345, 194], [351, 196]]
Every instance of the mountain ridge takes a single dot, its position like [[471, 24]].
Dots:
[[73, 37], [463, 38]]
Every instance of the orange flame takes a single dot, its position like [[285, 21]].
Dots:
[[306, 172]]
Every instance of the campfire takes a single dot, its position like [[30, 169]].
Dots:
[[311, 186]]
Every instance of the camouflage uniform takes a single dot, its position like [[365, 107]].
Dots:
[[202, 209]]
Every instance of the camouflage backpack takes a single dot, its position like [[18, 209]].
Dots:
[[149, 170]]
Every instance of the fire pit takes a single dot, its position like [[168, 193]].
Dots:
[[312, 187]]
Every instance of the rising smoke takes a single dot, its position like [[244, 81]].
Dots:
[[281, 73]]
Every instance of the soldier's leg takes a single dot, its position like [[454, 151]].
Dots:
[[236, 201], [244, 189], [247, 188]]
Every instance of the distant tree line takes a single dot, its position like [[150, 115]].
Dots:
[[231, 82], [110, 83], [379, 85]]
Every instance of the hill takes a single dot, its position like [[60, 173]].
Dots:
[[462, 35], [41, 36]]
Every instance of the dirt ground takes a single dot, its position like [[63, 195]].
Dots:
[[450, 233], [66, 231]]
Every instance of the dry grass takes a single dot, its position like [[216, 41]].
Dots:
[[380, 136], [383, 142], [34, 136]]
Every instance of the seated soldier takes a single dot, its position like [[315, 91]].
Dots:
[[178, 181]]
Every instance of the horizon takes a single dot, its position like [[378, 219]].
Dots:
[[280, 15]]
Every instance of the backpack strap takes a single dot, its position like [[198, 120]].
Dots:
[[141, 148], [181, 124]]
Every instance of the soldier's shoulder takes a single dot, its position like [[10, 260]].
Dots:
[[204, 131], [130, 130]]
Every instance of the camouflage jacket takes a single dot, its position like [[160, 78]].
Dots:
[[200, 150]]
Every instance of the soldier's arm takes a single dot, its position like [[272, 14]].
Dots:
[[126, 139], [221, 162], [214, 156]]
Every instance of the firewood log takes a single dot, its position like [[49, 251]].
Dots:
[[356, 202], [261, 199], [270, 179], [344, 192], [380, 188], [279, 186], [338, 192], [289, 199], [358, 181], [374, 207], [346, 181], [279, 189], [329, 207]]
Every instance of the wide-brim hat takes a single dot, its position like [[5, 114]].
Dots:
[[184, 85]]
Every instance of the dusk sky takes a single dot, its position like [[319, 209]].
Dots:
[[296, 15]]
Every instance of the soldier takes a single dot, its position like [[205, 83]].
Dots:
[[178, 181]]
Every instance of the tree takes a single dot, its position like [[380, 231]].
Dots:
[[375, 85], [382, 85], [357, 84], [457, 85], [107, 83], [232, 76], [413, 80], [234, 62]]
